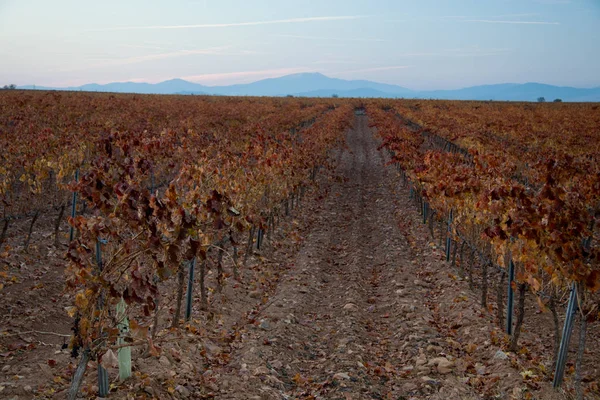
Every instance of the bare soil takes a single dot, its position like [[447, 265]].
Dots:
[[350, 299]]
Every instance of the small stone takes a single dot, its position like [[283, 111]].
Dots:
[[421, 360], [46, 370], [480, 369], [410, 387], [264, 325], [341, 375], [186, 368], [429, 381], [183, 391], [290, 319], [500, 355], [445, 366], [273, 381], [262, 370], [351, 306], [212, 350], [255, 294], [28, 389], [164, 361], [434, 349], [149, 390], [5, 368]]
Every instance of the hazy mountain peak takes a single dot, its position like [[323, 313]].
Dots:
[[306, 74], [315, 84], [175, 80]]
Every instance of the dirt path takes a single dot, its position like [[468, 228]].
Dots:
[[365, 309], [350, 321]]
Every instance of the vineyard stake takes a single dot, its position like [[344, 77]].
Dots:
[[259, 238], [511, 295], [102, 381], [189, 298], [566, 338], [73, 207]]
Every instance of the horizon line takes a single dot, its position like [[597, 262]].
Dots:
[[142, 81]]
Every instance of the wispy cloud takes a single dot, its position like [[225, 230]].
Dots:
[[104, 62], [375, 69], [553, 1], [139, 46], [495, 21], [345, 62], [162, 56], [457, 52], [332, 38], [244, 76], [488, 17], [236, 24], [474, 52]]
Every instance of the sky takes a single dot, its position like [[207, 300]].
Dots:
[[418, 44]]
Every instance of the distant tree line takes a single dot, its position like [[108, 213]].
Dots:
[[543, 100], [12, 86]]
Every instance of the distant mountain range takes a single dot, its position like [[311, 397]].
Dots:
[[319, 85]]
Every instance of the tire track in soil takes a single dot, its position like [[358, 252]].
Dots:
[[349, 321]]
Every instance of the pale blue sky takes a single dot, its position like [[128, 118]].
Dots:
[[419, 44]]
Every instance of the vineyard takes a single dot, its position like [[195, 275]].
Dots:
[[149, 245]]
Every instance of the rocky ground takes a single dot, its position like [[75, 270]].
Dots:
[[351, 300]]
